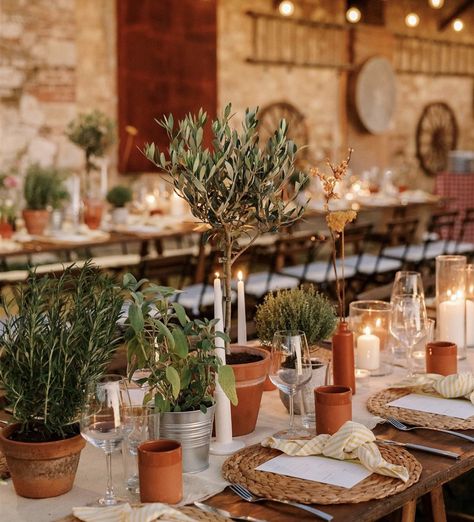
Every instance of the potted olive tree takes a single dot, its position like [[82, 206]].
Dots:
[[118, 197], [181, 364], [61, 339], [236, 189], [43, 189]]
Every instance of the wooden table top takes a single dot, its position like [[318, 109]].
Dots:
[[436, 471]]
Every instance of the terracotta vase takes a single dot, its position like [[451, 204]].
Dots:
[[6, 230], [333, 405], [41, 469], [249, 381], [93, 210], [442, 358], [343, 365], [36, 221], [160, 471]]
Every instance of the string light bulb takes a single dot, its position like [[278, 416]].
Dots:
[[412, 20], [353, 15], [458, 25], [436, 4], [286, 8]]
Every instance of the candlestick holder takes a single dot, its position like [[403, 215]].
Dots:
[[370, 323], [451, 301]]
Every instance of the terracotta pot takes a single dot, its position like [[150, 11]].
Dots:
[[333, 406], [93, 210], [343, 365], [268, 385], [160, 471], [6, 230], [249, 380], [442, 358], [35, 221], [41, 469]]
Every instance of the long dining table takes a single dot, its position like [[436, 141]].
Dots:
[[210, 486]]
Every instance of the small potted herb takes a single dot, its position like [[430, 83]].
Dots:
[[58, 338], [9, 183], [236, 189], [43, 189], [183, 368], [118, 197]]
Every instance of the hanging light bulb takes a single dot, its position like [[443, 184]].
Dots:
[[353, 15], [458, 25], [412, 19], [286, 8], [436, 4]]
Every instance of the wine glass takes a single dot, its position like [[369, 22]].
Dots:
[[409, 323], [102, 423], [290, 370], [407, 283]]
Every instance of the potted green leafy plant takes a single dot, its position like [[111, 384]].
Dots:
[[9, 183], [94, 133], [236, 189], [182, 367], [299, 309], [118, 197], [59, 336], [43, 189]]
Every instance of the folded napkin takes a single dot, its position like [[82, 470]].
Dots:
[[126, 513], [453, 386], [353, 441]]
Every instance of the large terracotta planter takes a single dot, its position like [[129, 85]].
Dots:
[[249, 380], [41, 469], [36, 221]]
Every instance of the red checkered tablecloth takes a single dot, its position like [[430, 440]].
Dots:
[[458, 189]]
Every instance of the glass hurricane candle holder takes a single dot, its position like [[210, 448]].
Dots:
[[370, 323], [451, 301]]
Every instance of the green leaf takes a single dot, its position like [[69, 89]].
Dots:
[[172, 376], [180, 314], [181, 346], [135, 316], [162, 404], [226, 379], [164, 330], [203, 408]]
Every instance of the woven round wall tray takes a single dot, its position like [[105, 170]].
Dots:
[[377, 404], [240, 469]]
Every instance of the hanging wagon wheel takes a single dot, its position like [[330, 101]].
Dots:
[[269, 119], [436, 135]]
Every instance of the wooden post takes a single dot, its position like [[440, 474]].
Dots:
[[409, 511]]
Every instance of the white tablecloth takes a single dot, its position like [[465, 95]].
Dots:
[[90, 479]]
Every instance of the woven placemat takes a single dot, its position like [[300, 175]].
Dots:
[[377, 404], [4, 472], [240, 469], [190, 511]]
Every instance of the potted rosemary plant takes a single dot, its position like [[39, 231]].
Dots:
[[61, 338], [236, 190], [118, 197], [43, 189], [182, 367]]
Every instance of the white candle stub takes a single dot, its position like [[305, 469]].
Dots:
[[241, 314], [452, 319], [368, 350], [299, 363]]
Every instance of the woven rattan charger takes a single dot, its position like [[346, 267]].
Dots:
[[377, 404], [240, 469]]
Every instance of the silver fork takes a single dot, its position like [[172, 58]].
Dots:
[[403, 427], [246, 495]]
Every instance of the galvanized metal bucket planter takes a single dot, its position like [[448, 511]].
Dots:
[[193, 429]]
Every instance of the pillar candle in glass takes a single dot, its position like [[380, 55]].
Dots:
[[469, 306], [451, 301], [370, 322]]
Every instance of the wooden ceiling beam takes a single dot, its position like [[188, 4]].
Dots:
[[460, 9]]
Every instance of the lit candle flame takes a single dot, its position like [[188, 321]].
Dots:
[[378, 322], [240, 276], [217, 275], [367, 330]]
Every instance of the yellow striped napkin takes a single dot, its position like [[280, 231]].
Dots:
[[353, 441], [127, 513], [453, 386]]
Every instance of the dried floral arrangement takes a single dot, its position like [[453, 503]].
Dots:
[[336, 221]]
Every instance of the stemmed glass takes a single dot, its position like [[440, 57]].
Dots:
[[409, 323], [290, 370], [407, 283], [102, 423]]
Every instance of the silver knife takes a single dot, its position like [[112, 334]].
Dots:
[[428, 449], [224, 513]]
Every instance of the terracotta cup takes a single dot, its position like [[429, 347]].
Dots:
[[160, 471], [333, 408], [441, 358]]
